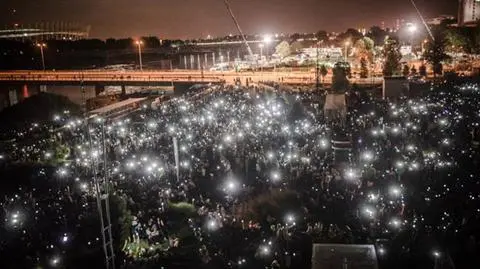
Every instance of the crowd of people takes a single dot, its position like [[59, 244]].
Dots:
[[250, 177]]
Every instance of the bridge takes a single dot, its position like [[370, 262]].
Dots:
[[159, 78], [16, 85], [106, 78]]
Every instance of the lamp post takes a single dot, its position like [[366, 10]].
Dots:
[[139, 44], [267, 39], [412, 29], [261, 50], [41, 46], [317, 71], [261, 55], [346, 50], [424, 43]]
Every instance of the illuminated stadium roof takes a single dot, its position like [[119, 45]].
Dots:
[[46, 31]]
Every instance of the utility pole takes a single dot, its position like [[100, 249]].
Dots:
[[41, 46], [317, 72], [139, 44]]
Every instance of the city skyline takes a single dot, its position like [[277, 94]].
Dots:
[[198, 19]]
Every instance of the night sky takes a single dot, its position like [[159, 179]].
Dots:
[[198, 18]]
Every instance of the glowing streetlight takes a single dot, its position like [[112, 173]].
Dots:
[[267, 39], [139, 43], [261, 45], [41, 46], [412, 28]]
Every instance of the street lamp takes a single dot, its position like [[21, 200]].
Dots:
[[267, 39], [261, 50], [424, 43], [346, 49], [412, 28], [139, 44], [41, 46]]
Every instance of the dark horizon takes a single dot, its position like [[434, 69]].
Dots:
[[187, 19]]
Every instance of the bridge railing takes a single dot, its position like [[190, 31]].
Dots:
[[105, 76]]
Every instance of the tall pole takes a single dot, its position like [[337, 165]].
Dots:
[[139, 44], [43, 57], [261, 56], [261, 52], [41, 46], [317, 72]]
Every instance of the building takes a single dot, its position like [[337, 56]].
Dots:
[[468, 12], [45, 31], [438, 20], [324, 53]]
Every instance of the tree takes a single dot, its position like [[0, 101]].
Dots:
[[322, 35], [295, 36], [364, 48], [323, 71], [339, 80], [422, 70], [377, 34], [391, 53], [296, 46], [413, 71], [283, 49], [476, 39], [351, 34], [456, 40], [363, 68], [435, 53], [151, 42], [405, 71]]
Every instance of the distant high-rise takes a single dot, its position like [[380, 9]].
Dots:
[[468, 11]]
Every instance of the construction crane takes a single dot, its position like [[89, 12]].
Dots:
[[423, 20], [239, 29]]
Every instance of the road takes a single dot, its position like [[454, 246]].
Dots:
[[104, 76]]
